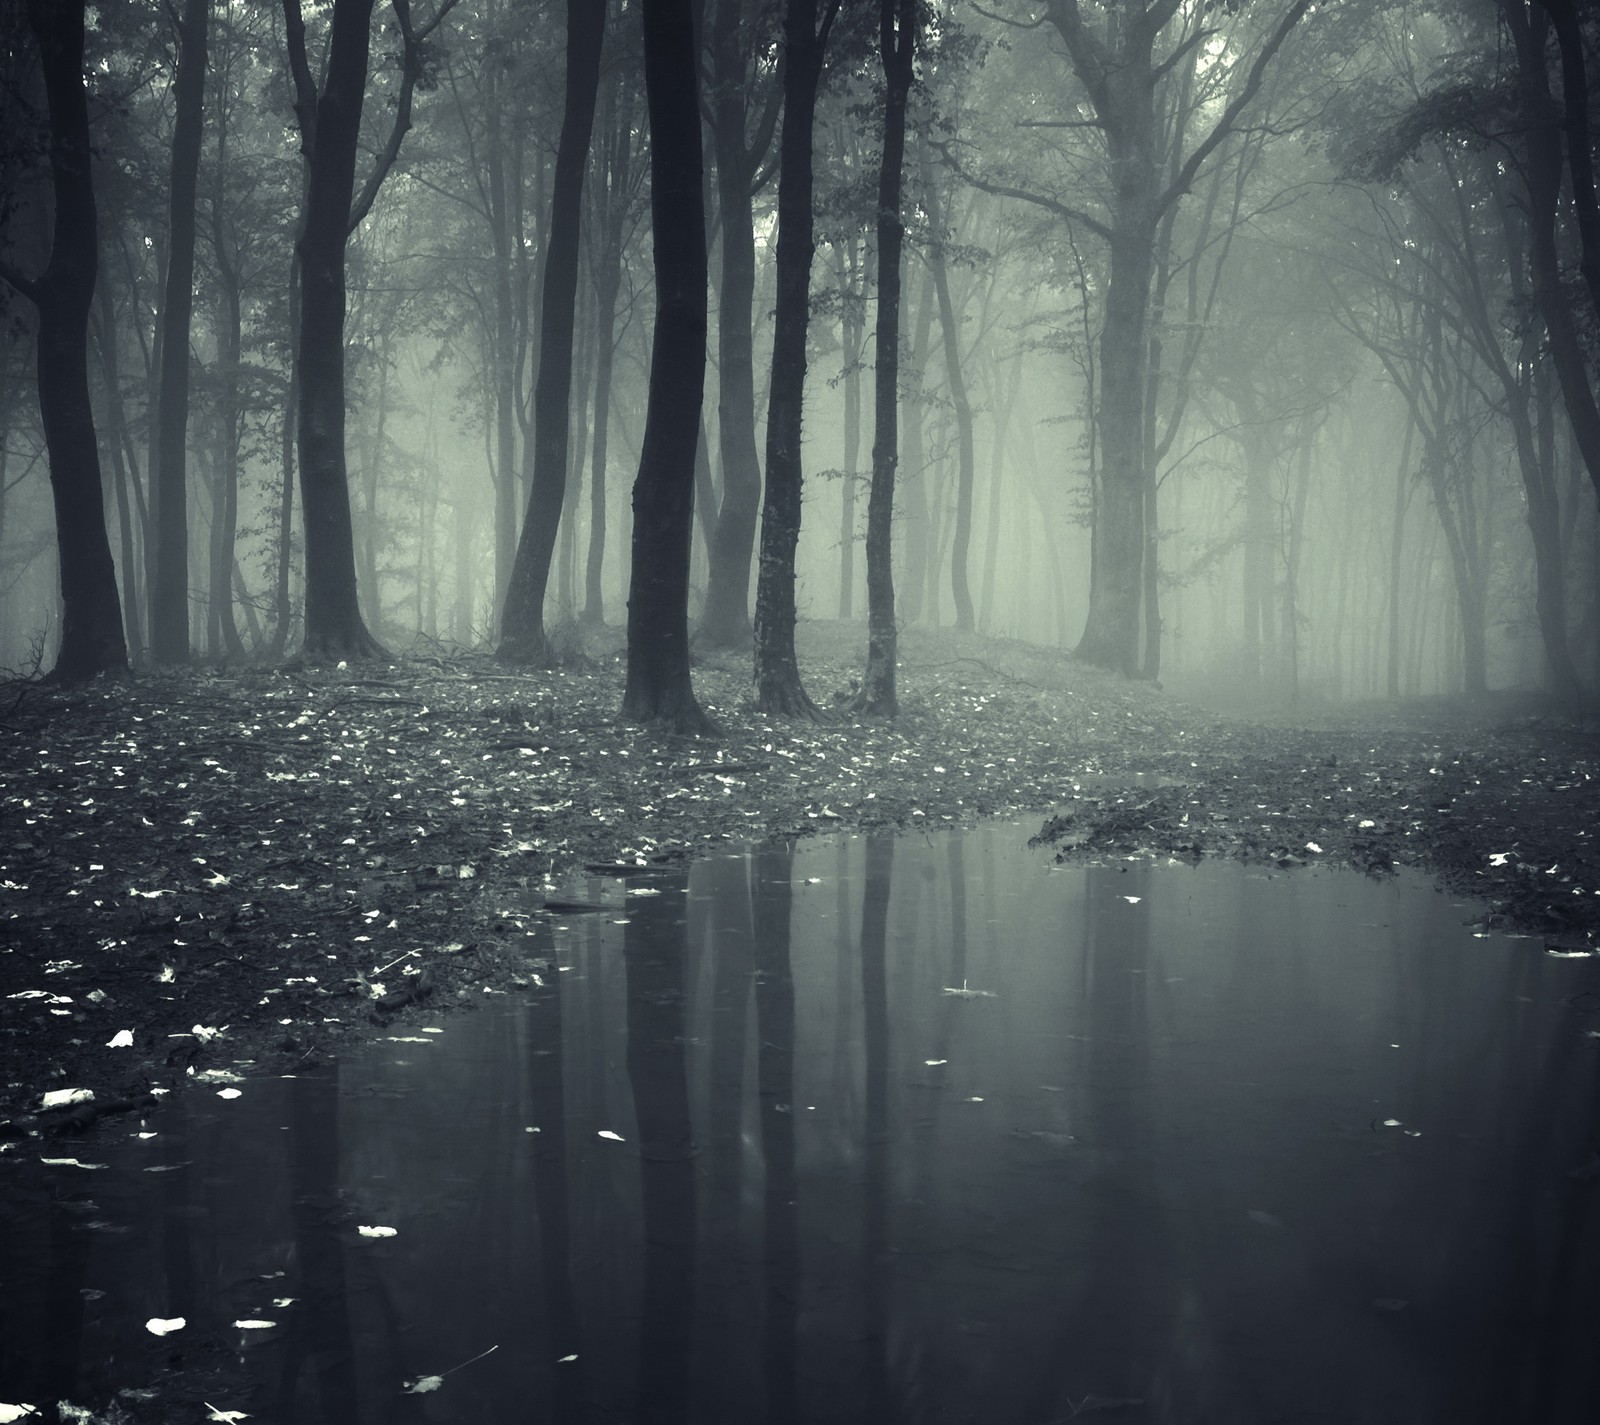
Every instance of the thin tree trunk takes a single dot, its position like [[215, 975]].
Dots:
[[897, 32], [1396, 553], [123, 473], [522, 633], [169, 596], [777, 673]]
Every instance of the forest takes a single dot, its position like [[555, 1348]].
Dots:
[[1248, 346], [799, 710]]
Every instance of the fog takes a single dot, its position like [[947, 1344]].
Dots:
[[1362, 351]]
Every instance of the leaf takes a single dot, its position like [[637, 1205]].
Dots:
[[8, 1413], [251, 1323], [122, 1039], [229, 1093], [422, 1385], [614, 1137], [378, 1231], [65, 1098], [164, 1325], [226, 1415]]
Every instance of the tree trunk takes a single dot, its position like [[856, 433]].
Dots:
[[169, 596], [225, 505], [91, 624], [854, 327], [726, 621], [522, 633], [658, 683], [961, 539], [1396, 552], [124, 473], [606, 303], [897, 33], [333, 624], [283, 608], [777, 673]]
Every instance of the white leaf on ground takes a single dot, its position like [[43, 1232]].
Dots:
[[614, 1137], [225, 1415], [229, 1093], [250, 1323], [1313, 848], [564, 1360], [65, 1098], [378, 1231], [69, 1163], [1132, 900], [8, 1413], [421, 1385], [164, 1325], [122, 1039]]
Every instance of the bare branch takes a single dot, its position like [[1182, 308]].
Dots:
[[1039, 200], [1236, 105]]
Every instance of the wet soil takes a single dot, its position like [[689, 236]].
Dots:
[[258, 866]]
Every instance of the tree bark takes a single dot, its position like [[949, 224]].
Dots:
[[91, 625], [897, 34], [961, 539], [659, 688], [726, 620], [169, 595], [777, 673], [334, 627], [522, 633]]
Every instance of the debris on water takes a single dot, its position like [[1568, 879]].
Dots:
[[965, 993]]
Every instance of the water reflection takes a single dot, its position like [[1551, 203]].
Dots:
[[881, 1130]]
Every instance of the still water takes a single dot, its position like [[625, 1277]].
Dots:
[[880, 1130]]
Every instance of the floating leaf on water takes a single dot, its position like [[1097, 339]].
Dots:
[[1391, 1123], [164, 1325], [566, 1360], [934, 1063], [378, 1231], [1132, 900], [70, 1163], [614, 1137], [965, 993]]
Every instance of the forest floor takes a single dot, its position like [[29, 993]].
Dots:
[[260, 866]]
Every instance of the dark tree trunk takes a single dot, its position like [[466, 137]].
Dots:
[[169, 596], [777, 673], [282, 606], [522, 634], [334, 627], [658, 684], [606, 317], [726, 621], [91, 625], [897, 34], [1541, 170]]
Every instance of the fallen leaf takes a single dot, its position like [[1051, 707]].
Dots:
[[122, 1039], [614, 1137], [164, 1325], [8, 1413], [378, 1231], [65, 1098], [421, 1385], [251, 1324]]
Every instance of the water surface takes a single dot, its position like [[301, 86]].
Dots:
[[877, 1130]]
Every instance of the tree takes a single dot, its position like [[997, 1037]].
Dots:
[[522, 637], [725, 622], [91, 624], [777, 674], [897, 37], [330, 124], [169, 594], [658, 684]]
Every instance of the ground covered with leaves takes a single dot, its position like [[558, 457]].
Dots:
[[206, 871]]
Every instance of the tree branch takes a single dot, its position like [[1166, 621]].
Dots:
[[1236, 106], [410, 71], [1039, 200], [305, 88]]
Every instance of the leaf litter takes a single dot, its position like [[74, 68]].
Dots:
[[282, 841]]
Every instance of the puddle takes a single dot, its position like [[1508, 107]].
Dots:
[[906, 1130]]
